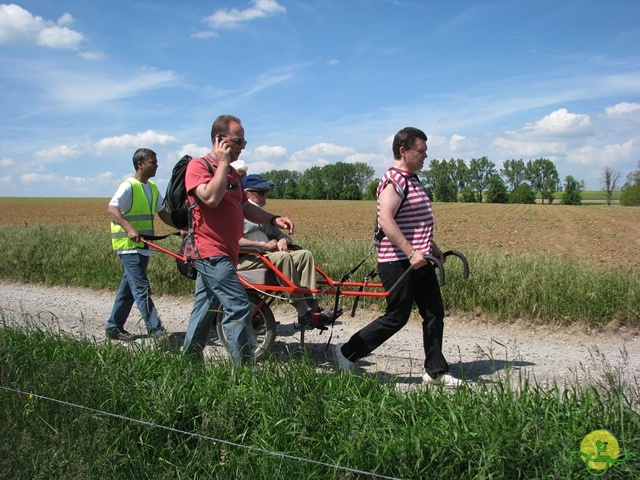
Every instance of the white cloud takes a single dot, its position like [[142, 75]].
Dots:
[[552, 136], [560, 123], [86, 88], [264, 152], [148, 139], [18, 25], [208, 34], [519, 147], [273, 77], [59, 153], [366, 158], [7, 162], [322, 149], [623, 109], [66, 19], [608, 155], [92, 55], [8, 180], [190, 149], [35, 178], [457, 142], [232, 18]]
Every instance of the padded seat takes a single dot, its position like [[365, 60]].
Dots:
[[259, 276]]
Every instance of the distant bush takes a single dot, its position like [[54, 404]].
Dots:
[[523, 193], [630, 196]]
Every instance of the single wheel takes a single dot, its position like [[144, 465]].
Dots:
[[263, 326]]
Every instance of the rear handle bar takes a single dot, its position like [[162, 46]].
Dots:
[[437, 263]]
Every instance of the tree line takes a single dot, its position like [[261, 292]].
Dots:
[[452, 180]]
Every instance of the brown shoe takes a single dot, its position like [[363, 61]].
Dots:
[[122, 335]]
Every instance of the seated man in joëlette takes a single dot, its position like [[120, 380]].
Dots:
[[296, 264]]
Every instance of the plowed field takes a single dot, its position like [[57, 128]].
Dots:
[[598, 233]]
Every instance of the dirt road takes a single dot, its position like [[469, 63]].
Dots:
[[476, 348]]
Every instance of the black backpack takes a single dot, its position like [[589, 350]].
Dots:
[[175, 198]]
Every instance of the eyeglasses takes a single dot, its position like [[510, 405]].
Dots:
[[238, 141], [261, 193]]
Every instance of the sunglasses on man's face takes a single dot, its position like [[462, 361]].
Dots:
[[261, 193], [237, 141]]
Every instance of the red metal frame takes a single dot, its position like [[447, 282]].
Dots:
[[352, 289]]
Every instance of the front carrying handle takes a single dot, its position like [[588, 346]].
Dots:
[[408, 271]]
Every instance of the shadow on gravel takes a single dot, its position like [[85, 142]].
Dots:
[[476, 370]]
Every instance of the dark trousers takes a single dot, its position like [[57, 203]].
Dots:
[[421, 287]]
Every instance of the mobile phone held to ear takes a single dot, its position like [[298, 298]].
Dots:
[[219, 138]]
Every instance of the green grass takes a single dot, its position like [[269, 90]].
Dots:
[[588, 196], [599, 195], [103, 411], [506, 288]]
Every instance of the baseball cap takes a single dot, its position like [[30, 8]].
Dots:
[[255, 182]]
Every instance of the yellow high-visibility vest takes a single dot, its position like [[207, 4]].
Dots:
[[140, 216]]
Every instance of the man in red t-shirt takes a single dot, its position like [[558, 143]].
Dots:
[[218, 221]]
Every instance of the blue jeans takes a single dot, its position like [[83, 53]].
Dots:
[[134, 287], [217, 280]]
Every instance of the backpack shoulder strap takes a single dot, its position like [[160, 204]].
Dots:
[[190, 248], [378, 232]]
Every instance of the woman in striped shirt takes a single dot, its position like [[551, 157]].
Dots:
[[406, 217]]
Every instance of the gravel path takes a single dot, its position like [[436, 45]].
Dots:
[[475, 347]]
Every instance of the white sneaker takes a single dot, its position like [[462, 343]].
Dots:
[[445, 380], [342, 363]]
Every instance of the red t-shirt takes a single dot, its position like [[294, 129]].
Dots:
[[218, 229]]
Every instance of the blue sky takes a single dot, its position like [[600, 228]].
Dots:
[[83, 84]]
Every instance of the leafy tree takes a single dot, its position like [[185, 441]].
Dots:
[[497, 190], [523, 193], [459, 174], [338, 175], [280, 180], [480, 171], [609, 180], [468, 195], [361, 175], [437, 179], [351, 192], [514, 171], [543, 177], [630, 193], [572, 191], [312, 184], [372, 188], [291, 190]]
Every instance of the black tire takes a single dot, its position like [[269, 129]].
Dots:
[[263, 338]]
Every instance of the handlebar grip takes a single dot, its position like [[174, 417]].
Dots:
[[465, 263]]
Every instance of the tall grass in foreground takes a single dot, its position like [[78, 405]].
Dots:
[[529, 286], [145, 413]]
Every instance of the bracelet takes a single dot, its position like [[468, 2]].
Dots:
[[273, 220], [412, 254]]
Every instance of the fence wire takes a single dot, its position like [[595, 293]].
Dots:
[[199, 436]]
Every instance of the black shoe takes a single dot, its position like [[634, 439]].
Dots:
[[120, 334], [315, 320]]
